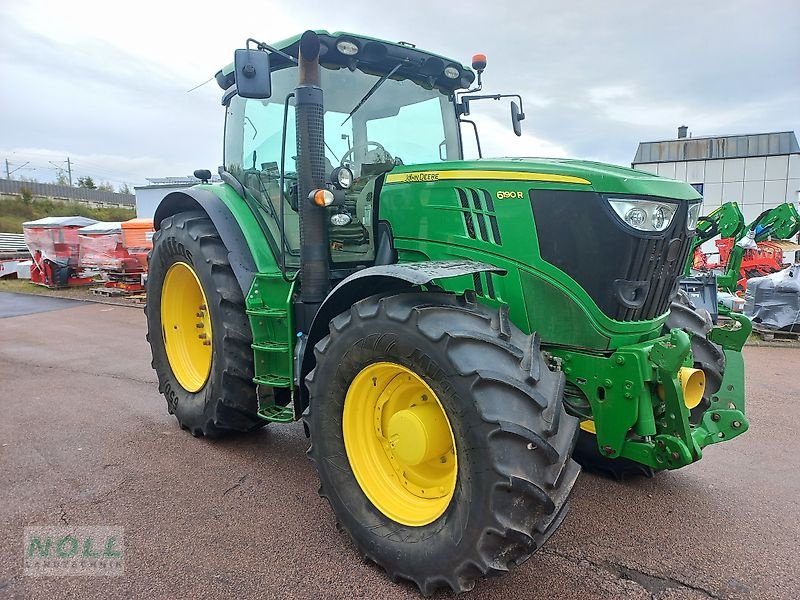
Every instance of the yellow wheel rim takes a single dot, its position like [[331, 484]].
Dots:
[[400, 444], [186, 323]]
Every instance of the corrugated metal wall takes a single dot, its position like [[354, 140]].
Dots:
[[731, 146], [65, 192]]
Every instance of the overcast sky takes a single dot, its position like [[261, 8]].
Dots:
[[105, 83]]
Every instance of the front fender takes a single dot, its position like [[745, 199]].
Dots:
[[382, 279]]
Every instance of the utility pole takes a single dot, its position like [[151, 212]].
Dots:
[[9, 172], [61, 169]]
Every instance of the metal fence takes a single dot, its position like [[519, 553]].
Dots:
[[65, 192]]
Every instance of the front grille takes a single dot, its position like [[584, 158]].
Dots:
[[479, 215], [653, 265], [631, 275]]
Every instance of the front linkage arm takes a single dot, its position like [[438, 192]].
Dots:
[[637, 390]]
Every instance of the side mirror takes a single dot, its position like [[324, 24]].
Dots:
[[252, 74], [516, 117]]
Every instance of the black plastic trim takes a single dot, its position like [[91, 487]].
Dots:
[[631, 275]]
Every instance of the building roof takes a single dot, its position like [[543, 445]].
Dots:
[[723, 146]]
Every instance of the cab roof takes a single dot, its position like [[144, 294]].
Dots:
[[374, 56]]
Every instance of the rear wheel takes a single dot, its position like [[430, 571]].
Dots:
[[197, 328], [440, 438], [708, 357]]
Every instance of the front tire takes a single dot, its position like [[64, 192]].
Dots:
[[198, 330], [511, 440]]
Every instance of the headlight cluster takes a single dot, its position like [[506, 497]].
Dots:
[[694, 215], [644, 215]]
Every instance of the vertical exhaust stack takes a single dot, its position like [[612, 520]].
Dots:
[[314, 248]]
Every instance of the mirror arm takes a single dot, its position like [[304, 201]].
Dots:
[[263, 46], [465, 100]]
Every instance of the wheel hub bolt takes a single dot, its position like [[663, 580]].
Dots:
[[715, 417], [675, 456], [736, 424]]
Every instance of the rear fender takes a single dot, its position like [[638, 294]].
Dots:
[[190, 199]]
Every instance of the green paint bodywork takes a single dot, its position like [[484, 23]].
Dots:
[[268, 303], [626, 371], [619, 367]]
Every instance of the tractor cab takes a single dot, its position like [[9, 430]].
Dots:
[[384, 105]]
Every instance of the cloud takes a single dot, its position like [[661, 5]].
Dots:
[[109, 80], [45, 164]]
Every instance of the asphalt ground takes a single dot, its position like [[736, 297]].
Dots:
[[86, 440]]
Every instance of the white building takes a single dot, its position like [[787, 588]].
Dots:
[[148, 197], [758, 171]]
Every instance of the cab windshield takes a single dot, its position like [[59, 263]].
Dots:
[[400, 123]]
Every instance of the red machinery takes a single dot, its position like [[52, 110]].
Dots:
[[137, 237], [766, 259], [102, 247], [54, 246]]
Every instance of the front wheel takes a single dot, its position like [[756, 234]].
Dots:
[[440, 438]]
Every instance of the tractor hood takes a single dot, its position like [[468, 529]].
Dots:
[[576, 174]]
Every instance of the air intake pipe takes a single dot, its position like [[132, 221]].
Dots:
[[314, 247]]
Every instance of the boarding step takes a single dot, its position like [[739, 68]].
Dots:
[[276, 414], [278, 381]]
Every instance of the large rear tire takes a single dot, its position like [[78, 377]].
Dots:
[[497, 442], [198, 331], [708, 357]]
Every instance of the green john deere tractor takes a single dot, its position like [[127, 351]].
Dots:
[[447, 329]]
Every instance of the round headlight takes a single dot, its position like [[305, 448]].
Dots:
[[660, 219], [342, 177], [340, 219], [347, 47], [451, 72], [635, 217]]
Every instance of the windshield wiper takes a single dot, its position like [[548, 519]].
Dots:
[[371, 91]]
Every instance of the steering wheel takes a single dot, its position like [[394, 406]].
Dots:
[[349, 153]]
